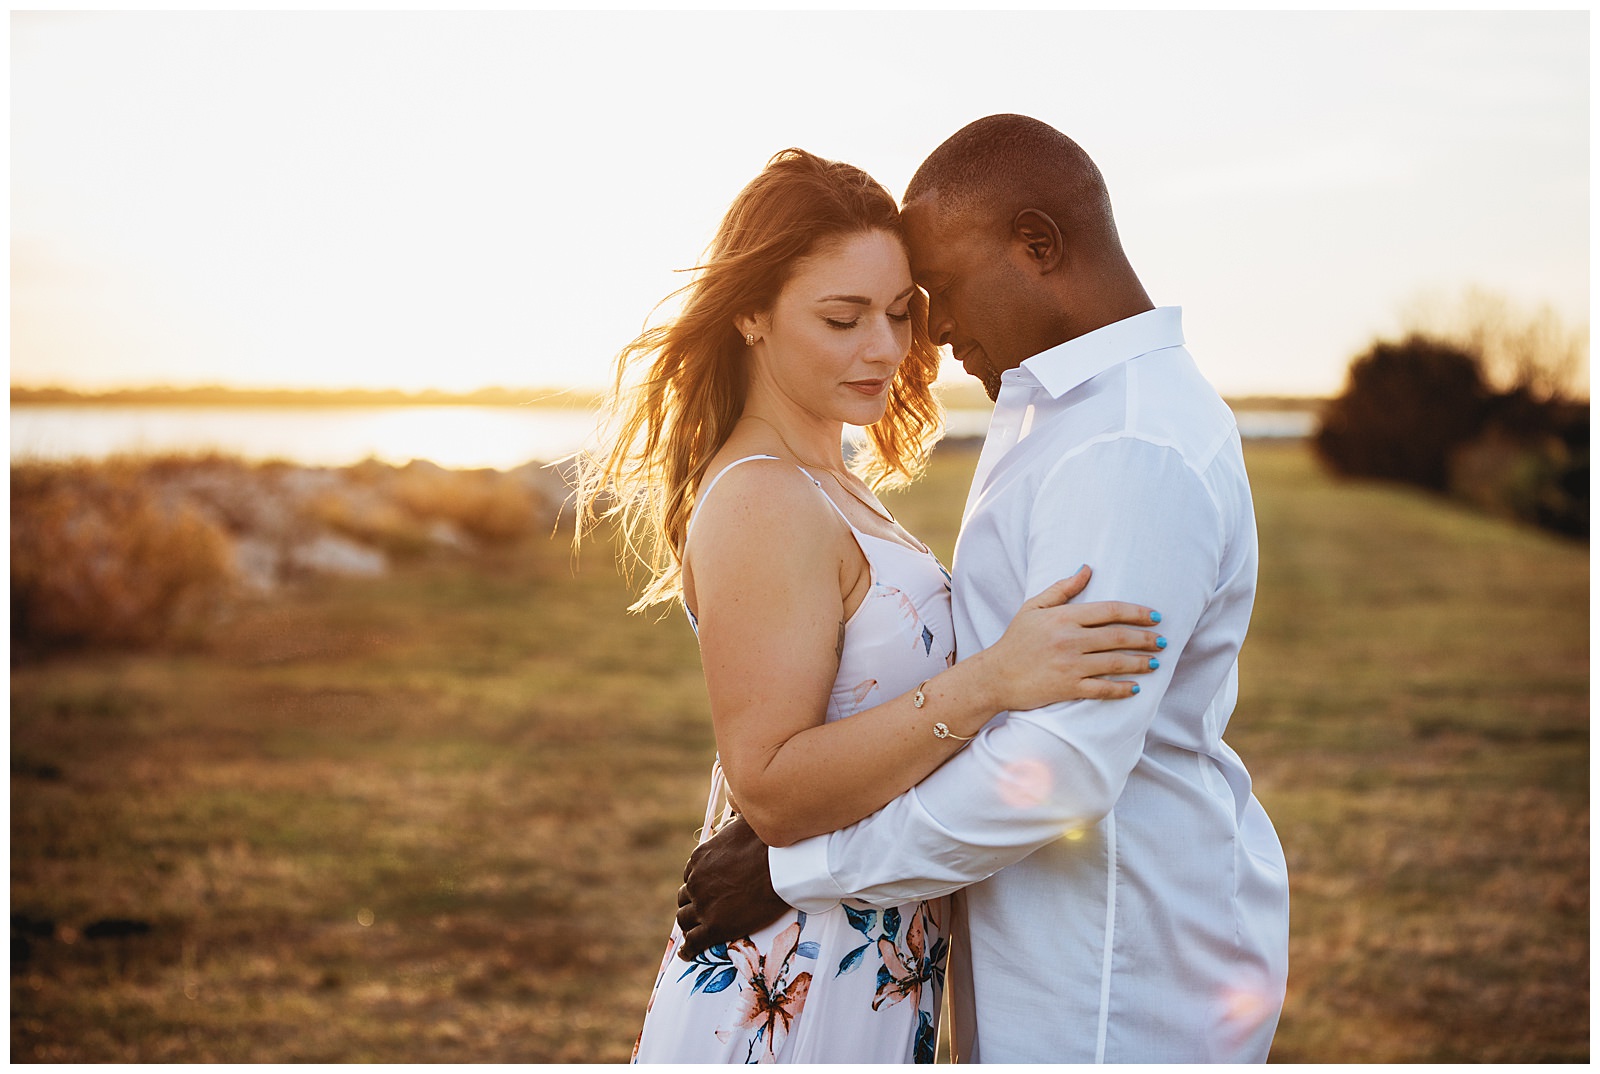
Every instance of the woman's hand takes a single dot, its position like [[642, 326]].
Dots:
[[1055, 651]]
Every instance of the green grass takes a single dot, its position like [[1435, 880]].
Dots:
[[440, 817]]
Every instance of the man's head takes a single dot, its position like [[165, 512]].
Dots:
[[1010, 232]]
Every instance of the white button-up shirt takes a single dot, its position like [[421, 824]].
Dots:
[[1121, 895]]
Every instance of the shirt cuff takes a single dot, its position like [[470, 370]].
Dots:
[[800, 875]]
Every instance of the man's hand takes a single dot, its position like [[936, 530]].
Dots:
[[727, 890]]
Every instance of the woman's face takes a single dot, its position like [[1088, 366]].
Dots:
[[839, 329]]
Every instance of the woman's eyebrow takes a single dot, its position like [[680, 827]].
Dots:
[[861, 300]]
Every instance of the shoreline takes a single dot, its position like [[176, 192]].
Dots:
[[217, 396], [956, 397]]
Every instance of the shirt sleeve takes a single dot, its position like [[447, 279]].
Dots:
[[1146, 523]]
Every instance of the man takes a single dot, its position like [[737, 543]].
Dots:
[[1120, 895]]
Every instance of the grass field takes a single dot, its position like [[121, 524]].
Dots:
[[440, 817]]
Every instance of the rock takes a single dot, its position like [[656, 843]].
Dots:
[[327, 554], [446, 535], [256, 563]]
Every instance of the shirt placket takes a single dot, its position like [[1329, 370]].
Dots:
[[1011, 412]]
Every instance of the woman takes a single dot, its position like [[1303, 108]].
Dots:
[[812, 603]]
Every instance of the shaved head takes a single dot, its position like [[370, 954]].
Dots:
[[993, 168], [1010, 234]]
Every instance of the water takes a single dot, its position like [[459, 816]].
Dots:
[[459, 437], [452, 436]]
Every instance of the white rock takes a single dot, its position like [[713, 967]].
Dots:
[[328, 554]]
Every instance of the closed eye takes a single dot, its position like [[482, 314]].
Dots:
[[899, 318]]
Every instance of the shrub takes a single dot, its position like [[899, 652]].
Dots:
[[1422, 411], [1531, 462], [1405, 410], [96, 558]]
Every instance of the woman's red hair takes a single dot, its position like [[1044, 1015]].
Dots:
[[680, 387]]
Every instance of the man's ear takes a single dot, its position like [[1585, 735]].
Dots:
[[1040, 239]]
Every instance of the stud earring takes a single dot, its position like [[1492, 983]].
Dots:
[[749, 339]]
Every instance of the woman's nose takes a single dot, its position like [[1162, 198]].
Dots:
[[888, 344]]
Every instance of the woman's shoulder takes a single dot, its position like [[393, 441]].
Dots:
[[756, 485], [758, 492], [762, 524]]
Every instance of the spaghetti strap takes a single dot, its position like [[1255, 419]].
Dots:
[[705, 492], [700, 500], [830, 499]]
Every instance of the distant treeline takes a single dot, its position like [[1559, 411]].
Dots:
[[1309, 404], [217, 395], [220, 396]]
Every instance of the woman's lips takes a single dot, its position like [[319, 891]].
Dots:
[[867, 387]]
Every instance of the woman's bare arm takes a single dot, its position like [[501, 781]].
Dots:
[[771, 563]]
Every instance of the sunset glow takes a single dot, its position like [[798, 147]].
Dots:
[[428, 200]]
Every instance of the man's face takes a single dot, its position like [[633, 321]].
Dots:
[[975, 292]]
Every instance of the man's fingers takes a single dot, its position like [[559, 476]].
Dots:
[[684, 898], [688, 919], [694, 942]]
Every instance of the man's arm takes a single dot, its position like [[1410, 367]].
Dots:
[[1147, 522]]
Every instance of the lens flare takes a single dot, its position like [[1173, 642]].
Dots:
[[1245, 1006], [1025, 784]]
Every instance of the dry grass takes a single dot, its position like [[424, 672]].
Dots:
[[96, 559], [441, 816], [1416, 713]]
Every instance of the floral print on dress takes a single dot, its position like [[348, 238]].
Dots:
[[849, 984], [770, 990], [920, 634], [858, 694], [904, 970], [774, 994]]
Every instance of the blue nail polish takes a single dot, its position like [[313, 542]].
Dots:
[[1161, 643], [1154, 663], [1155, 617], [1135, 687]]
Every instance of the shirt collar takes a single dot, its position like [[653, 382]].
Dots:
[[1077, 361]]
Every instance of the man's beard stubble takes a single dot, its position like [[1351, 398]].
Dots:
[[990, 380]]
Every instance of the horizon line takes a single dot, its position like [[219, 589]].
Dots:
[[220, 394]]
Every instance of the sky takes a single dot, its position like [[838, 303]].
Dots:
[[430, 200]]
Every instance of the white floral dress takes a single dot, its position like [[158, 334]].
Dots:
[[854, 984]]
